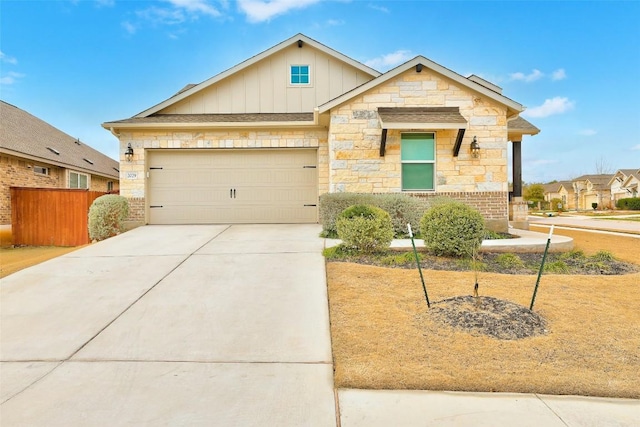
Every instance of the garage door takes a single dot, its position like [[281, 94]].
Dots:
[[233, 186]]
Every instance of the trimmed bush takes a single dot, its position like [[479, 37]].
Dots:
[[630, 203], [452, 229], [510, 261], [106, 216], [365, 228], [401, 208]]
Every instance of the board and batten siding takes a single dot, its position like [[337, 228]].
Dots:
[[264, 87]]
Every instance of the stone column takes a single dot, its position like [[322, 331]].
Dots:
[[518, 208]]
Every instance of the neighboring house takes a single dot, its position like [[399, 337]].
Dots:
[[624, 184], [591, 189], [35, 154], [561, 190], [261, 141]]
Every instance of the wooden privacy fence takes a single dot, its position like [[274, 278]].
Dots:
[[50, 216]]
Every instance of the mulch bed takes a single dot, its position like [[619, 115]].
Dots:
[[489, 316]]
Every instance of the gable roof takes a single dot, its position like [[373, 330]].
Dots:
[[513, 107], [624, 174], [191, 88], [598, 181], [24, 135]]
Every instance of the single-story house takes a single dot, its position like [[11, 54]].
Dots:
[[624, 183], [591, 189], [561, 190], [262, 140], [35, 154]]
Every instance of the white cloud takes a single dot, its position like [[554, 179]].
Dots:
[[527, 78], [129, 27], [195, 6], [10, 78], [389, 60], [105, 3], [7, 59], [588, 132], [334, 22], [264, 10], [162, 16], [636, 147], [378, 8], [550, 107], [558, 74]]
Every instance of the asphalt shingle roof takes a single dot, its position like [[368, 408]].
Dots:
[[24, 134], [219, 118], [421, 115], [521, 125]]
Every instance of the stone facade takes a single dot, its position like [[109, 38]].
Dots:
[[132, 174], [355, 164]]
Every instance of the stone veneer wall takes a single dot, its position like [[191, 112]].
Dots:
[[134, 189], [355, 133]]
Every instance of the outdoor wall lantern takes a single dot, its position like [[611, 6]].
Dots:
[[128, 155], [475, 148]]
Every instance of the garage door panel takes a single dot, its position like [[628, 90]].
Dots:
[[233, 186]]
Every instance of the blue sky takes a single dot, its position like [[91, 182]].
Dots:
[[574, 64]]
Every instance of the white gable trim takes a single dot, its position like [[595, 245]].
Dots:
[[251, 61], [515, 107]]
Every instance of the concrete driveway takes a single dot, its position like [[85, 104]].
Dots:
[[171, 325]]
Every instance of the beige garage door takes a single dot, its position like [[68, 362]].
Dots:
[[233, 186]]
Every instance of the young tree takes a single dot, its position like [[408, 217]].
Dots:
[[534, 193]]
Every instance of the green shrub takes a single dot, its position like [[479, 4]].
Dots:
[[630, 203], [556, 267], [106, 216], [603, 256], [365, 228], [452, 229], [400, 259], [401, 208], [557, 205], [339, 252], [509, 261], [573, 255]]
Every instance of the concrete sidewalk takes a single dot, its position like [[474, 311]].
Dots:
[[213, 326], [610, 225]]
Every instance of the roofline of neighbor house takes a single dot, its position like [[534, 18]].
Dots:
[[54, 163], [254, 59], [515, 107]]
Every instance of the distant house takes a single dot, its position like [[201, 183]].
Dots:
[[561, 190], [591, 189], [261, 141], [624, 184], [35, 154]]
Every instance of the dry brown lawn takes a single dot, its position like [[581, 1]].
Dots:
[[384, 337], [15, 259]]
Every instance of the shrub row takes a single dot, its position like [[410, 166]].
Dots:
[[402, 209], [451, 228], [630, 203]]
